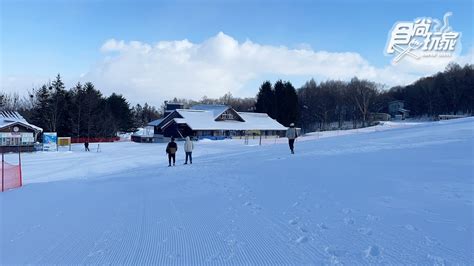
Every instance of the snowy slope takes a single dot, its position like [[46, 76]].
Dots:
[[399, 196]]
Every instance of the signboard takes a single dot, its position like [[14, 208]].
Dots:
[[50, 140]]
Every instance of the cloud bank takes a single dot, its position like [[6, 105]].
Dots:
[[155, 72]]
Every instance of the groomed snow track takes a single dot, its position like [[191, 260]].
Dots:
[[402, 196]]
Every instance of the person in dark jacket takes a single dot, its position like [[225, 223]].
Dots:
[[171, 150], [86, 146]]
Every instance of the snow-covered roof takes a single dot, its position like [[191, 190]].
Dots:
[[396, 101], [262, 121], [155, 122], [147, 131], [180, 120], [216, 109], [206, 120], [10, 118]]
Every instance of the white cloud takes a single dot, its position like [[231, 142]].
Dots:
[[21, 84], [220, 64], [155, 72]]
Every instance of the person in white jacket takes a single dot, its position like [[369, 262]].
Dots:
[[188, 149], [291, 134]]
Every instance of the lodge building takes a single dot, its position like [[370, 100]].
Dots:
[[16, 132], [213, 122]]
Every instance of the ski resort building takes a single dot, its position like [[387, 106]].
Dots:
[[215, 122], [15, 131], [397, 110]]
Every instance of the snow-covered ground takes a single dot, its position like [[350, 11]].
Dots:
[[398, 193]]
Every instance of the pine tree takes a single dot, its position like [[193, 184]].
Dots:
[[57, 104], [280, 102], [92, 110], [77, 109], [41, 105], [266, 100], [291, 113], [121, 115], [2, 100]]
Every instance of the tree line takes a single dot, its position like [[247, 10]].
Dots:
[[336, 104], [83, 111], [447, 92]]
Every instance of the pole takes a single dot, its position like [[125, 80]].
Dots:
[[3, 170], [19, 162]]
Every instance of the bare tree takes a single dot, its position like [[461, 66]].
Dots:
[[363, 94]]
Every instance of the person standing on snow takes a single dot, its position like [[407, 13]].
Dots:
[[86, 145], [291, 134], [171, 150], [188, 149]]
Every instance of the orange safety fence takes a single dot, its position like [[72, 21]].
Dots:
[[105, 139], [11, 176]]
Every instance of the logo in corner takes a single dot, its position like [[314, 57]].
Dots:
[[424, 37]]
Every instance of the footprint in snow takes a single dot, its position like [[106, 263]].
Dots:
[[332, 251], [256, 207], [322, 226], [410, 227], [333, 260], [302, 229], [461, 229], [349, 221], [95, 253], [429, 241], [302, 239], [436, 260], [387, 200], [365, 231], [346, 211], [372, 218], [293, 221], [372, 251], [178, 228]]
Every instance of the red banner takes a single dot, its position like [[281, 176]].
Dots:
[[82, 140]]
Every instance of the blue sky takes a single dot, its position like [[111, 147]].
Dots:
[[42, 38]]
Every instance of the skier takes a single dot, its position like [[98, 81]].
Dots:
[[188, 149], [86, 146], [171, 150], [291, 134]]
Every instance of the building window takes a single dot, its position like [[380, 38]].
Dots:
[[227, 116], [25, 139]]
